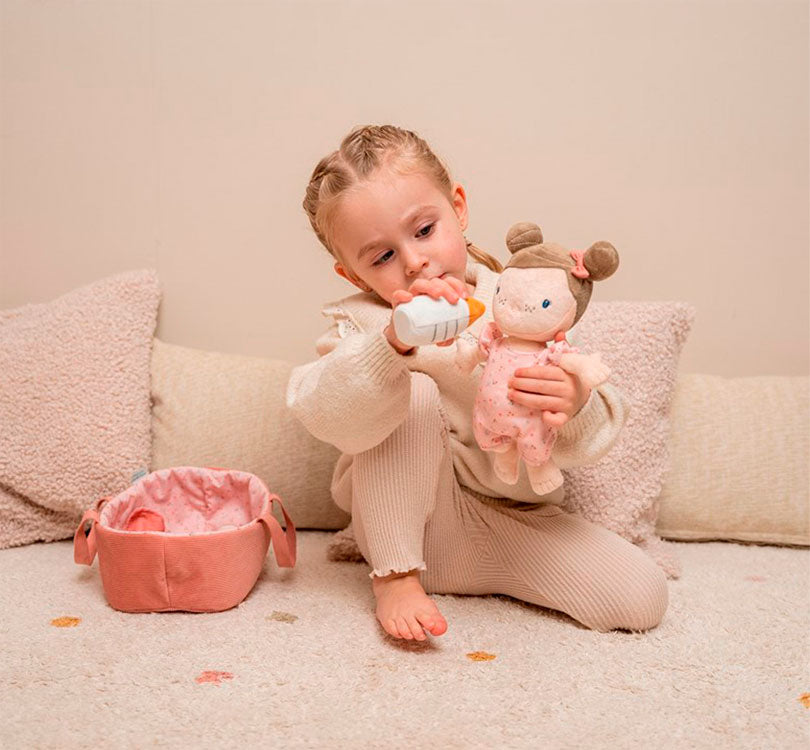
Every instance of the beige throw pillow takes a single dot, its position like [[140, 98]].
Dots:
[[740, 449], [228, 410], [74, 403]]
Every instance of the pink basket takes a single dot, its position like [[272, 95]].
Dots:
[[186, 538]]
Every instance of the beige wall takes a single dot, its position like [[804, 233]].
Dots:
[[180, 136]]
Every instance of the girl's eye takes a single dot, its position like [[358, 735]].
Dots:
[[381, 260], [422, 232], [546, 302]]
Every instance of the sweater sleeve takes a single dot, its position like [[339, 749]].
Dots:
[[593, 430], [358, 391]]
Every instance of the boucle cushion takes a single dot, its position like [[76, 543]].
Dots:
[[641, 342], [74, 403], [228, 411], [739, 452]]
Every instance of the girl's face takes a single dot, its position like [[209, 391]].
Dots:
[[392, 229]]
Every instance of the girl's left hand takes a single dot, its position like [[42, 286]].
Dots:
[[558, 393]]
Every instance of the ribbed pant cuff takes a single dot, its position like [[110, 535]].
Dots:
[[382, 572]]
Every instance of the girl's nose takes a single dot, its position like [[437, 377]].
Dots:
[[415, 260]]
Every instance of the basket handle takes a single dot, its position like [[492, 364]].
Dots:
[[84, 538], [284, 546]]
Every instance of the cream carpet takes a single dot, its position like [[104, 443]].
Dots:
[[302, 663]]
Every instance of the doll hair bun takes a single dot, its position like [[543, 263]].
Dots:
[[523, 235], [601, 260]]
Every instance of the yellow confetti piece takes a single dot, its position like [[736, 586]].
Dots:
[[480, 656], [282, 616], [804, 698], [66, 622]]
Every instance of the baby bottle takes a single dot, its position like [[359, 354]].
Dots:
[[425, 320]]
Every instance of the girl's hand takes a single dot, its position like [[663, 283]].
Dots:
[[557, 393], [450, 288]]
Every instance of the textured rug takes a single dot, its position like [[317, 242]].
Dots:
[[302, 662]]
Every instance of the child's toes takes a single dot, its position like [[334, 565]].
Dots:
[[404, 630], [433, 624], [416, 629]]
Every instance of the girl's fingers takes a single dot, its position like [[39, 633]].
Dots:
[[459, 286], [533, 401], [546, 387], [400, 296], [420, 286], [442, 288], [541, 372], [555, 418], [435, 288]]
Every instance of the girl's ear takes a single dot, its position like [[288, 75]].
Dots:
[[459, 202], [341, 271]]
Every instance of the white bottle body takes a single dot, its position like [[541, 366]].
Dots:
[[425, 320]]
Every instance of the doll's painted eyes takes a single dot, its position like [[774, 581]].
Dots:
[[546, 302]]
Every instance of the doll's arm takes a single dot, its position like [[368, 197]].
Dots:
[[589, 368], [469, 355], [490, 333]]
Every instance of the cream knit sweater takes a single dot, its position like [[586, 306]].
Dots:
[[358, 392]]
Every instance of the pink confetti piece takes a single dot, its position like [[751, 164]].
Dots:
[[214, 676]]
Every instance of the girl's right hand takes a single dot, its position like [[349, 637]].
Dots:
[[450, 288]]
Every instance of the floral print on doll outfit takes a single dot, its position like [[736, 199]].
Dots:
[[497, 422]]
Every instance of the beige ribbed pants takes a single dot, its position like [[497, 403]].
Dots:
[[409, 512]]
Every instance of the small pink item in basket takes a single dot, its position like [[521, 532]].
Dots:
[[145, 520], [185, 538]]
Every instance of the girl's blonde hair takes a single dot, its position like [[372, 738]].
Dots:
[[360, 153]]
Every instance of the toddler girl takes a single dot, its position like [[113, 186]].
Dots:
[[429, 513]]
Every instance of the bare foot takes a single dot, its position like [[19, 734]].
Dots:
[[403, 607]]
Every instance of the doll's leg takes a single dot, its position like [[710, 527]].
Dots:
[[390, 489], [507, 464], [545, 477], [543, 555], [535, 449]]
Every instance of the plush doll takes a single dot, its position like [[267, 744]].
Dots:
[[542, 292]]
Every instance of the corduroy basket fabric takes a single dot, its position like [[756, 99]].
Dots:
[[184, 538]]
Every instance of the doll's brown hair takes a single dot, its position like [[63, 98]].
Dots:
[[525, 242], [361, 152]]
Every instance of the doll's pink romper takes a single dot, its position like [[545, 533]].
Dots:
[[497, 422]]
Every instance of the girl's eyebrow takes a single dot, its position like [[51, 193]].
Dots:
[[409, 217]]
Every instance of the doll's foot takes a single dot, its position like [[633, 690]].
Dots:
[[404, 609], [545, 478], [507, 465]]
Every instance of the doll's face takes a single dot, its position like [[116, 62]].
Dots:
[[533, 303]]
